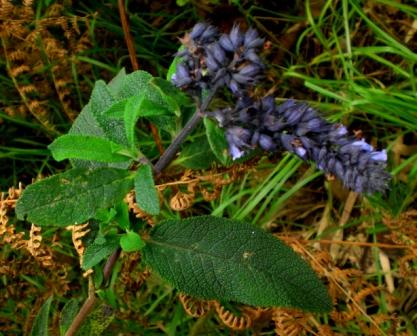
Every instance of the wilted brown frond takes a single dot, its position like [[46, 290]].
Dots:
[[194, 307], [289, 322], [41, 254], [7, 230], [35, 52], [77, 233], [231, 320], [133, 207]]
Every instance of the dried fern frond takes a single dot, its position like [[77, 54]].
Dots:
[[194, 307], [289, 322], [181, 201], [133, 207], [42, 255], [77, 233], [231, 320], [8, 231]]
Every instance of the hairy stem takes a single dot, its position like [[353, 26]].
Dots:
[[173, 148]]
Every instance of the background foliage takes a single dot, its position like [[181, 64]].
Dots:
[[354, 60]]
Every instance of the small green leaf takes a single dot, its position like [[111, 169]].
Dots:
[[73, 197], [122, 215], [217, 141], [116, 83], [132, 84], [217, 258], [105, 215], [173, 96], [99, 250], [136, 107], [131, 242], [146, 194], [197, 155], [40, 325], [173, 66], [117, 110], [68, 313], [86, 147]]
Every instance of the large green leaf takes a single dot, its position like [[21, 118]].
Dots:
[[87, 147], [40, 325], [146, 194], [216, 258], [74, 196]]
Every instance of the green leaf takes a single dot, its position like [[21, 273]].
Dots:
[[173, 66], [87, 147], [174, 97], [117, 110], [131, 242], [133, 84], [197, 155], [116, 83], [100, 249], [40, 325], [98, 125], [136, 107], [105, 215], [146, 194], [122, 215], [73, 197], [216, 258], [68, 313], [217, 141]]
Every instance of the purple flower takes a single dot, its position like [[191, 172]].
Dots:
[[299, 129]]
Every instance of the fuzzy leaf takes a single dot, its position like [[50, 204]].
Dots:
[[174, 97], [72, 197], [146, 194], [131, 242], [133, 84], [216, 258], [217, 141], [100, 249], [87, 147], [92, 121], [40, 325], [136, 107], [197, 155], [116, 82]]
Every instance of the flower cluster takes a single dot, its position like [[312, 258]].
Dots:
[[298, 128], [212, 60]]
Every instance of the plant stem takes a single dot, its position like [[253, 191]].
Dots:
[[89, 304], [173, 148]]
